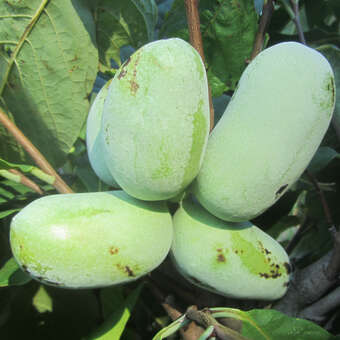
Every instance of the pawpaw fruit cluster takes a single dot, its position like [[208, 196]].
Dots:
[[147, 133]]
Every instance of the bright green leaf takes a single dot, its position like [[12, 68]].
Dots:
[[7, 212], [42, 301], [12, 275], [114, 325], [48, 64]]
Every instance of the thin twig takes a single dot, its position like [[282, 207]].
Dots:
[[27, 182], [296, 19], [39, 159], [193, 20], [191, 331], [205, 319], [324, 203], [267, 12]]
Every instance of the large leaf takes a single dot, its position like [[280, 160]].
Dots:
[[123, 22], [48, 64], [228, 31], [261, 324], [115, 323], [12, 275]]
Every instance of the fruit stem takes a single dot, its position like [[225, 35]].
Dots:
[[39, 159], [267, 11], [193, 21]]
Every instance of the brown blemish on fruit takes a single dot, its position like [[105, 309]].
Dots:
[[113, 250], [126, 269], [281, 189], [134, 87], [221, 258], [287, 267], [129, 271], [25, 269], [267, 252], [122, 74]]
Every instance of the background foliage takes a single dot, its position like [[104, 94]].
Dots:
[[54, 58]]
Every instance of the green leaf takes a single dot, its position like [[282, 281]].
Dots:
[[120, 23], [6, 213], [42, 301], [172, 328], [8, 165], [48, 64], [114, 325], [322, 158], [12, 275], [228, 31], [269, 324]]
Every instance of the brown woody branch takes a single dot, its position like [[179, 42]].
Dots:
[[296, 19], [267, 13], [39, 159], [26, 181], [193, 20]]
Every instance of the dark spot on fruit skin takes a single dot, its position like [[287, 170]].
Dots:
[[286, 284], [281, 189], [127, 62], [129, 271], [267, 251], [126, 269], [113, 250], [236, 251], [333, 90], [122, 74], [221, 258], [24, 268], [288, 267]]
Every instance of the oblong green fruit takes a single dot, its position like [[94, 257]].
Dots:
[[90, 239], [156, 120], [236, 260], [269, 132], [94, 138]]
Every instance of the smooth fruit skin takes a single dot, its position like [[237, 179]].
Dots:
[[156, 120], [94, 138], [237, 260], [90, 239], [269, 132]]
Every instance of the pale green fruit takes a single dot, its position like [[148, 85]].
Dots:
[[236, 260], [156, 120], [269, 132], [90, 239], [94, 138]]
